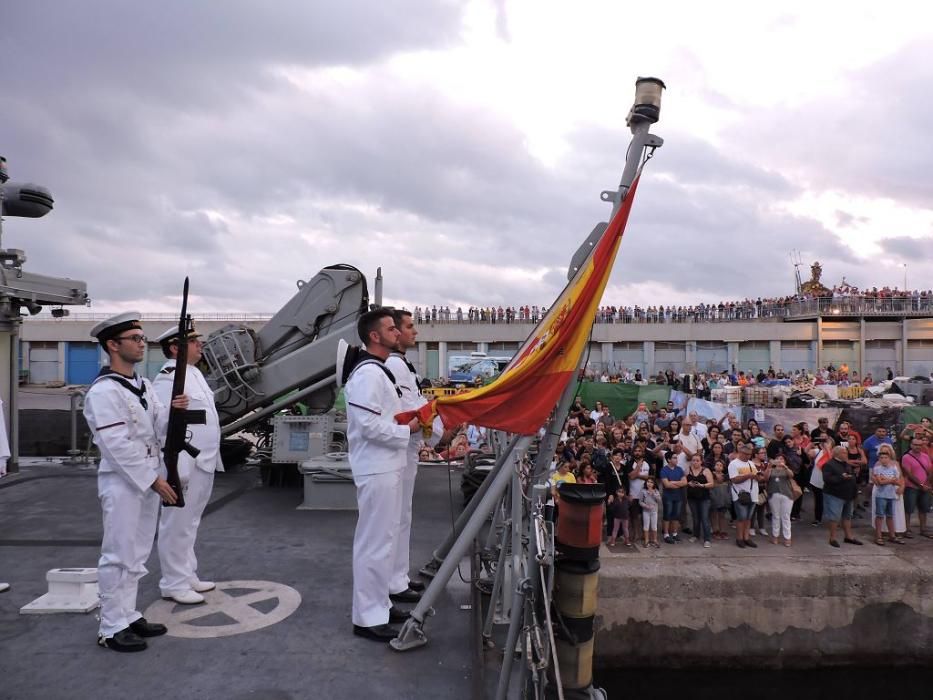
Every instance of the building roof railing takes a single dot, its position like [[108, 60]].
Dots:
[[828, 307]]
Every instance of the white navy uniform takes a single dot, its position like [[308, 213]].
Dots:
[[377, 456], [128, 427], [178, 527], [407, 380]]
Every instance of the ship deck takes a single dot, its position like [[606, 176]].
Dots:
[[251, 537]]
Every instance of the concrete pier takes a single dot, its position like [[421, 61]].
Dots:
[[805, 606]]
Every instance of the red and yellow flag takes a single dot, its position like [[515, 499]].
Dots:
[[523, 396]]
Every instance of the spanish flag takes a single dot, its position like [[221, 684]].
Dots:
[[523, 396]]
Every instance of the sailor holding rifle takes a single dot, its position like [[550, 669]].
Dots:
[[178, 527], [378, 455], [402, 589], [128, 423]]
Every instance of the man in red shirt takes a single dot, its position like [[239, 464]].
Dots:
[[917, 469]]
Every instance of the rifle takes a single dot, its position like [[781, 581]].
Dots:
[[176, 437]]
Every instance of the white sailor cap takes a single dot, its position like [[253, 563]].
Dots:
[[170, 334], [113, 326]]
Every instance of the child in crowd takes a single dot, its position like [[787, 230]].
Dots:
[[619, 511], [886, 478], [587, 475], [650, 500], [721, 500]]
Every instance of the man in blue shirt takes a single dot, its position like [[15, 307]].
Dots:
[[674, 481], [871, 445]]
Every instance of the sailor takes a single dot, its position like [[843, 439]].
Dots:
[[128, 422], [178, 527], [378, 449], [401, 588]]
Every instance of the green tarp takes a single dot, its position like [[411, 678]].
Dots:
[[623, 399]]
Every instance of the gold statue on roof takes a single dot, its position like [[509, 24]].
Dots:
[[813, 285]]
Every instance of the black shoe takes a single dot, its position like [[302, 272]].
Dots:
[[851, 540], [378, 633], [416, 586], [124, 640], [147, 629], [740, 544], [397, 615], [749, 543], [833, 543], [406, 596]]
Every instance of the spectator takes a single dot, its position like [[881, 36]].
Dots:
[[689, 444], [822, 455], [781, 497], [823, 430], [797, 460], [873, 442], [587, 475], [619, 512], [776, 445], [839, 494], [743, 476], [640, 470], [917, 471], [760, 460], [641, 414], [699, 483], [673, 481], [649, 500], [716, 453], [886, 478], [720, 499]]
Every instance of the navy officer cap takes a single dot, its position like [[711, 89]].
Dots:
[[115, 325], [170, 335]]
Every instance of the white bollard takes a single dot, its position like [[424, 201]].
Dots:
[[70, 590]]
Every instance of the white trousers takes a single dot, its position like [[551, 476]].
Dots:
[[379, 497], [178, 529], [401, 562], [780, 515], [130, 520]]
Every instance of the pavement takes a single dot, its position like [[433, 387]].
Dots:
[[270, 561], [807, 541]]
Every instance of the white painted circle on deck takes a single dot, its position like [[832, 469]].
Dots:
[[227, 610]]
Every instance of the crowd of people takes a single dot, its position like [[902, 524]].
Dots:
[[702, 384], [844, 298], [668, 475]]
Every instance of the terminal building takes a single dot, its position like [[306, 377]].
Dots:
[[868, 337]]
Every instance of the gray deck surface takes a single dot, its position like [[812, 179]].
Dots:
[[50, 518]]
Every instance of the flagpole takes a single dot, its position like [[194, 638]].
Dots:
[[644, 112]]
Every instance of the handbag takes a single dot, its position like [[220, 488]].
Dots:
[[795, 489], [743, 497]]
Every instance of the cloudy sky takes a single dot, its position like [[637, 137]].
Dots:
[[462, 146]]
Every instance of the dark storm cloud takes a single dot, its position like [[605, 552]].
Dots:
[[175, 144], [100, 96], [907, 248], [197, 51]]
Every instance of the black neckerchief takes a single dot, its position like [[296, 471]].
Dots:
[[365, 357], [407, 362], [124, 381]]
